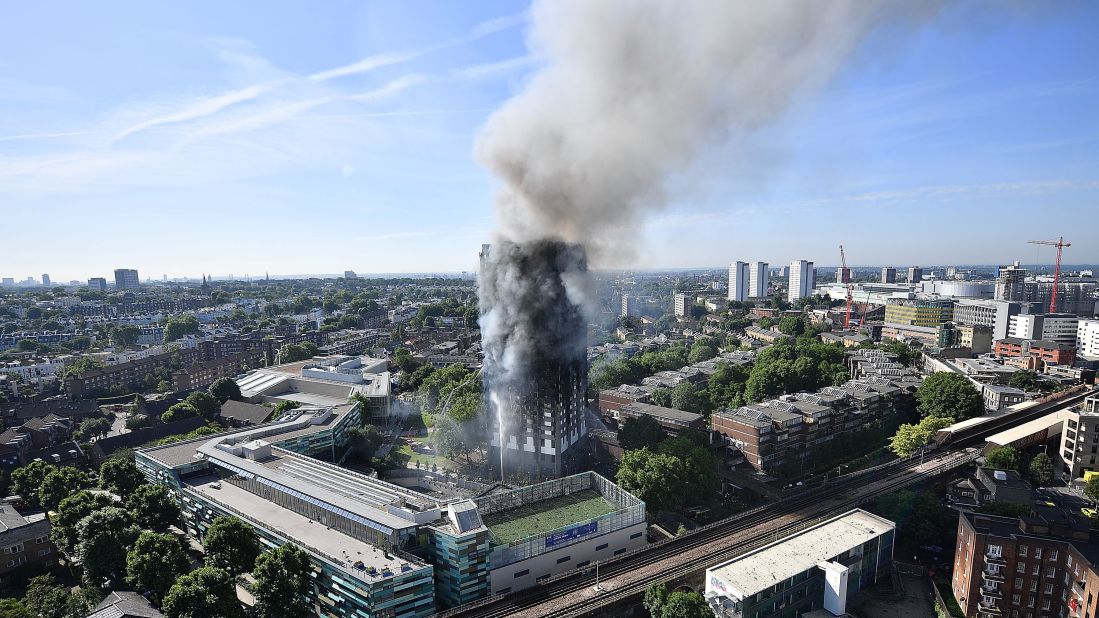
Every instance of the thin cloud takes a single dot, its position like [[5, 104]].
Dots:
[[492, 68], [198, 109], [34, 136]]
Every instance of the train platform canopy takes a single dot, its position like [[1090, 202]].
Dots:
[[1032, 432]]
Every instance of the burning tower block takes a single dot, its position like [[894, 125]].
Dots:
[[536, 372]]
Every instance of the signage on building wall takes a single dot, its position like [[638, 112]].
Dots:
[[564, 536]]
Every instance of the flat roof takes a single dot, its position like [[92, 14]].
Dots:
[[333, 545], [662, 412], [1029, 428], [758, 570]]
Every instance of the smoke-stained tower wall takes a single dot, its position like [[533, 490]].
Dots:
[[535, 342]]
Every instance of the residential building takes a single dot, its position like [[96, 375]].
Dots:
[[1041, 564], [759, 283], [25, 542], [739, 281], [126, 279], [1059, 327], [813, 569], [1046, 351], [242, 414], [683, 304], [672, 420], [766, 335], [977, 338], [998, 397], [378, 548], [45, 280], [988, 485], [915, 274], [1087, 338], [350, 274], [98, 283], [125, 604], [612, 399], [802, 280], [1080, 447], [888, 275], [843, 275], [1011, 283]]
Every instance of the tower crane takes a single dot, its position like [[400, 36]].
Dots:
[[1060, 244], [850, 291]]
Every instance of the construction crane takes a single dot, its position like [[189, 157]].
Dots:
[[1060, 244], [847, 284]]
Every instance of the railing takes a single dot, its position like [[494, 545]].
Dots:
[[989, 591], [992, 576], [990, 559]]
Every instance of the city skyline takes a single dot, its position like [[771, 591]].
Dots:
[[216, 142]]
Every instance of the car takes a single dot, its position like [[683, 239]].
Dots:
[[1088, 512]]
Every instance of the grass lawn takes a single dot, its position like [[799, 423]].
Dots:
[[525, 521], [406, 452]]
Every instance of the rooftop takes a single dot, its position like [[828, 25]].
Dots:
[[660, 412], [763, 568], [531, 519]]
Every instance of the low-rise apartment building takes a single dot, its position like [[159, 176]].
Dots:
[[1046, 351], [25, 543]]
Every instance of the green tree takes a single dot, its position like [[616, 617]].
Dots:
[[949, 395], [207, 405], [104, 537], [656, 478], [26, 480], [125, 335], [225, 389], [1091, 489], [69, 513], [704, 349], [686, 605], [1025, 379], [404, 360], [12, 608], [1040, 470], [792, 325], [656, 596], [1003, 458], [91, 428], [155, 563], [910, 438], [61, 483], [179, 327], [231, 545], [294, 352], [699, 478], [153, 507], [80, 365], [120, 477], [640, 432], [178, 412], [282, 581], [204, 592], [365, 441], [45, 598]]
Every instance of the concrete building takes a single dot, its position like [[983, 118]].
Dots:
[[739, 278], [98, 283], [995, 314], [801, 281], [814, 569], [45, 280], [759, 282], [843, 274], [126, 279], [682, 305], [1080, 449], [1087, 338], [1041, 564], [977, 338], [915, 274], [673, 421], [380, 549], [997, 397], [1059, 327], [327, 381], [921, 313], [1011, 283], [888, 275]]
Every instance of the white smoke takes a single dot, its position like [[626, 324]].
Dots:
[[633, 90]]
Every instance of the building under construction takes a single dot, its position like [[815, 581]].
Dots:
[[536, 369]]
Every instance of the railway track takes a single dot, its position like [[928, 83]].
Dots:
[[809, 500]]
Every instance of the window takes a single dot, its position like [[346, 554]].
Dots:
[[1015, 599], [619, 552], [601, 547], [1020, 567], [1037, 569], [1051, 571], [1030, 603], [522, 573], [14, 549], [1053, 554], [1034, 586], [583, 564], [1045, 604], [1049, 588], [636, 535], [42, 540], [1019, 583], [1023, 550], [565, 559], [996, 551], [1038, 552], [44, 552]]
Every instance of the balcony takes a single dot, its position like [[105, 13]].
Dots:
[[988, 607], [990, 559], [992, 576], [989, 591]]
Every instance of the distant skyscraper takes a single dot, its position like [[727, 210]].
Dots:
[[7, 281], [1011, 283], [350, 274], [126, 279], [97, 283], [915, 274], [738, 281], [45, 280], [843, 275], [758, 280], [889, 275], [802, 279], [683, 304]]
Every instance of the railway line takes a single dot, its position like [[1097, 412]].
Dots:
[[574, 593]]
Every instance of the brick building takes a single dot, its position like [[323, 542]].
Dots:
[[1046, 351], [25, 542]]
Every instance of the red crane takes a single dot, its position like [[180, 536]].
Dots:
[[1060, 244], [847, 283]]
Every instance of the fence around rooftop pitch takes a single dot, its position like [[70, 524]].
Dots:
[[628, 512]]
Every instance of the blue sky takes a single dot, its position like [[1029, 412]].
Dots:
[[244, 137]]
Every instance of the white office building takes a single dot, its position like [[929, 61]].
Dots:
[[682, 305], [1087, 338], [802, 279], [738, 281], [1059, 327], [758, 279]]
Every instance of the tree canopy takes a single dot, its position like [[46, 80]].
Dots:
[[640, 432], [178, 327], [911, 437], [947, 394], [1040, 470], [1004, 458], [225, 389], [231, 545], [153, 507], [656, 478], [61, 483], [120, 476], [155, 563], [104, 537], [282, 581], [204, 592]]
